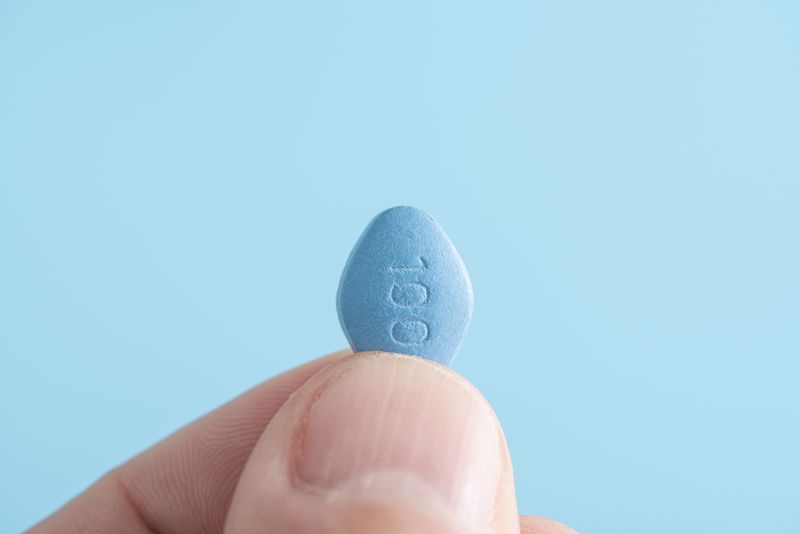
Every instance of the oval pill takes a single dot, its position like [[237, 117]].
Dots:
[[405, 288]]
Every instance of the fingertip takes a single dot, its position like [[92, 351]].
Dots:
[[530, 524], [394, 435]]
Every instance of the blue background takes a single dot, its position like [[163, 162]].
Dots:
[[181, 183]]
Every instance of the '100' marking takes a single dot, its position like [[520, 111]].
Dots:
[[409, 295]]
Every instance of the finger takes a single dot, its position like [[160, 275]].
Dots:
[[185, 483], [539, 525], [379, 443]]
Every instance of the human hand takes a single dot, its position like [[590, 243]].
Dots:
[[350, 443]]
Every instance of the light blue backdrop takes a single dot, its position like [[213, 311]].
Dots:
[[181, 183]]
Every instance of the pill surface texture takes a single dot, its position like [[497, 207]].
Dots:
[[405, 289]]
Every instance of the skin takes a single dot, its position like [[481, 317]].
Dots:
[[235, 471]]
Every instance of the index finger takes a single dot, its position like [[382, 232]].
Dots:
[[184, 483]]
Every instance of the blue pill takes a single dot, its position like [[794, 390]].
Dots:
[[405, 289]]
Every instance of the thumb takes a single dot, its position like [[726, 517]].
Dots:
[[379, 443]]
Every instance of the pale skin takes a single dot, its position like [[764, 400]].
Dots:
[[349, 443]]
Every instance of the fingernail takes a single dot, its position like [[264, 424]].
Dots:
[[408, 432]]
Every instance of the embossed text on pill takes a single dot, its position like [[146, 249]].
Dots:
[[420, 265], [409, 294], [409, 332]]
